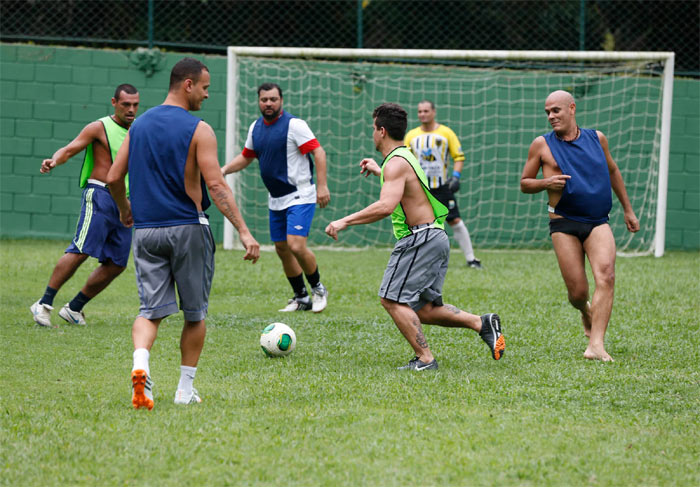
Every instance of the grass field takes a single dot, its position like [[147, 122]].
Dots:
[[336, 412]]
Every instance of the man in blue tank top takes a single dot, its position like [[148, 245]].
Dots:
[[99, 233], [284, 144], [411, 290], [578, 172], [171, 159]]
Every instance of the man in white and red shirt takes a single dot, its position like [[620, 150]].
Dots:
[[283, 145]]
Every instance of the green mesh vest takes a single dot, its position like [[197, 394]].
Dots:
[[398, 217], [115, 136]]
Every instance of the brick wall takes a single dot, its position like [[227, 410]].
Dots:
[[47, 94], [683, 210]]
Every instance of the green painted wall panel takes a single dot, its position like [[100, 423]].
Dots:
[[49, 93]]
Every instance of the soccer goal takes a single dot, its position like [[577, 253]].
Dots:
[[493, 100]]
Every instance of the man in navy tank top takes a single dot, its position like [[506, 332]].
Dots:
[[284, 144], [578, 172], [171, 158]]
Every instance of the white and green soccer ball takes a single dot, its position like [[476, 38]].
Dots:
[[277, 340]]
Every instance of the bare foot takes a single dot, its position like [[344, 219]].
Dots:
[[597, 354], [586, 320]]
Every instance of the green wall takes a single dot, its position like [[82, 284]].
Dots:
[[47, 94]]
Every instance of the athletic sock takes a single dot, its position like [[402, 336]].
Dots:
[[461, 235], [186, 378], [141, 356], [298, 285], [78, 302], [313, 278], [48, 296]]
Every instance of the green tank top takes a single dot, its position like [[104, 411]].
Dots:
[[115, 136], [398, 217]]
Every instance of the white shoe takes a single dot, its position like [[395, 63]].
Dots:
[[72, 317], [182, 398], [319, 295], [42, 314], [297, 304]]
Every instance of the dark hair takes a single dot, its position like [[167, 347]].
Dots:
[[268, 87], [393, 118], [126, 88], [432, 105], [186, 68]]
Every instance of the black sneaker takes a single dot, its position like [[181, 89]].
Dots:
[[416, 364], [297, 304], [474, 264], [491, 334]]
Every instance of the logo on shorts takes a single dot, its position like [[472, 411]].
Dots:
[[298, 227]]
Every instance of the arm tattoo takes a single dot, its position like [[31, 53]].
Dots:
[[453, 309], [420, 338], [220, 198]]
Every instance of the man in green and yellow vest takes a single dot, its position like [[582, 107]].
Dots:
[[99, 232], [411, 290]]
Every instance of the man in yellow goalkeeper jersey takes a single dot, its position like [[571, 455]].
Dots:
[[431, 143]]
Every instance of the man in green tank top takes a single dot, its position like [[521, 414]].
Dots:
[[411, 290], [99, 232]]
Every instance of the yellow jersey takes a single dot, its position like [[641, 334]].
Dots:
[[431, 150]]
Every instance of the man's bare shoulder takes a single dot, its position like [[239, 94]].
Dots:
[[395, 165], [94, 129], [204, 130], [539, 142]]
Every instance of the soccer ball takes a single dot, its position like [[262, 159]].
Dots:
[[277, 340]]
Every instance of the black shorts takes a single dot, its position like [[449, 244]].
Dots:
[[447, 198], [579, 230]]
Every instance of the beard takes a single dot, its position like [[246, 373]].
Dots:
[[271, 117]]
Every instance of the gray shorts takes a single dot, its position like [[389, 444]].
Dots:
[[166, 257], [416, 269]]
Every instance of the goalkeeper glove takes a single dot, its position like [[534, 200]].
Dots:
[[453, 182]]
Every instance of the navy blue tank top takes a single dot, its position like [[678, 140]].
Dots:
[[159, 141], [587, 196]]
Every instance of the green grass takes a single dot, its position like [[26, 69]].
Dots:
[[336, 412]]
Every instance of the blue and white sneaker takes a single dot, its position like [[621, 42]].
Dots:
[[72, 317], [42, 314]]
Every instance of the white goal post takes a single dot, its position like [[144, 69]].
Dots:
[[250, 66]]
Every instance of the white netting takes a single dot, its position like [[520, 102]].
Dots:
[[495, 110]]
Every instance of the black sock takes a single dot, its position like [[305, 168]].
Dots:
[[314, 278], [49, 294], [78, 302], [298, 285]]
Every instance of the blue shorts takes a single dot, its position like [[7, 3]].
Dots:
[[100, 233], [295, 220]]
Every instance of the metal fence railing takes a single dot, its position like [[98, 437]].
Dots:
[[211, 25]]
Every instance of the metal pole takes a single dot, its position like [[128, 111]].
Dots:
[[359, 24], [582, 26], [150, 24]]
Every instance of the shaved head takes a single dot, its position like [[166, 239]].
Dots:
[[561, 96]]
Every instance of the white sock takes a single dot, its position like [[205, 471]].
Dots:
[[186, 378], [461, 235], [141, 356]]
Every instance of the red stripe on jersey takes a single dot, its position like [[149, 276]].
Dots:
[[309, 146], [250, 154]]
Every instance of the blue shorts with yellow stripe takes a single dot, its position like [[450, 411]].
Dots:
[[100, 233]]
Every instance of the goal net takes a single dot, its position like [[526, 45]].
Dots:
[[493, 101]]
